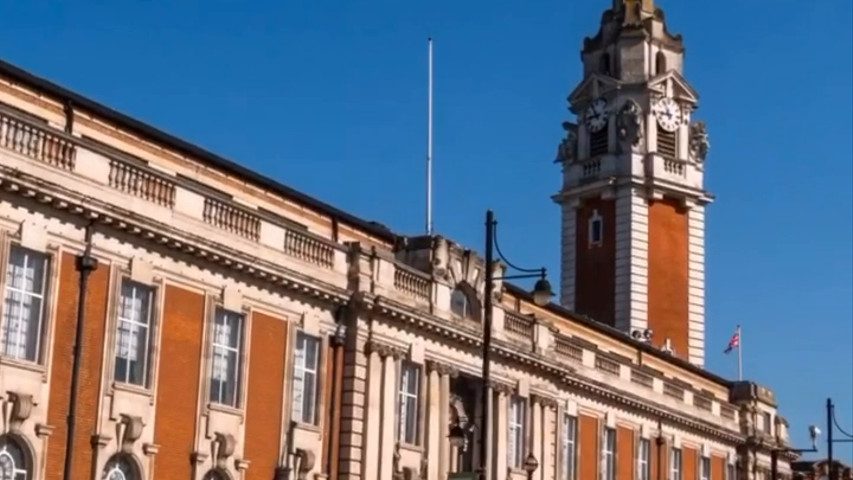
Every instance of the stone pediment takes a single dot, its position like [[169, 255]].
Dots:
[[594, 86], [672, 84]]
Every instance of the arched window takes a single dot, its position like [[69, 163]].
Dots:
[[120, 467], [461, 304], [660, 63], [215, 475], [13, 460]]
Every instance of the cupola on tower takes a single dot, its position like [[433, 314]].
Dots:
[[633, 200]]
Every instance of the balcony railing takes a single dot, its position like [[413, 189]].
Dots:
[[142, 184], [519, 327], [303, 247], [411, 283], [36, 143], [568, 350], [231, 219]]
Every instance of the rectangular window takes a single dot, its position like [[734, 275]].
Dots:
[[133, 333], [675, 463], [705, 469], [609, 452], [515, 440], [731, 473], [570, 448], [644, 451], [23, 308], [306, 362], [768, 422], [408, 414], [226, 361]]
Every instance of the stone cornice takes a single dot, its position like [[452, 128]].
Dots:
[[148, 231], [562, 374]]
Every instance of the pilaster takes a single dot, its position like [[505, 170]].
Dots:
[[569, 253], [389, 415], [696, 284], [632, 265], [373, 418]]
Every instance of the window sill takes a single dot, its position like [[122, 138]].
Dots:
[[131, 388], [219, 408], [411, 448], [308, 427], [23, 365]]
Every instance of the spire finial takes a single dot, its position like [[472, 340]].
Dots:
[[635, 10]]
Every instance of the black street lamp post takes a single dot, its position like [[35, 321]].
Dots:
[[832, 424], [541, 296], [774, 453]]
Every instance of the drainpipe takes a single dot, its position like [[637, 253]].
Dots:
[[85, 264], [69, 117]]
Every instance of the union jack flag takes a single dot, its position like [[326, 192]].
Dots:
[[734, 342]]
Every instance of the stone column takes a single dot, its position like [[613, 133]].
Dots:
[[546, 437], [501, 428], [438, 445], [433, 423], [389, 414], [535, 444], [372, 414]]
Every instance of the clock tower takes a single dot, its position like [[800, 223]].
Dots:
[[632, 198]]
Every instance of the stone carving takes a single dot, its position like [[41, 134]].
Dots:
[[567, 152], [501, 388], [699, 144], [306, 461], [130, 429], [629, 127], [383, 349], [224, 445], [20, 409], [441, 368], [440, 257], [424, 468], [545, 402]]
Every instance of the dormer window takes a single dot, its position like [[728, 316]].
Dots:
[[460, 304], [660, 63], [596, 228]]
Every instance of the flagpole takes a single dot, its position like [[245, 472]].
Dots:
[[429, 143], [739, 354]]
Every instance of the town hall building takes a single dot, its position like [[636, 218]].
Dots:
[[170, 314]]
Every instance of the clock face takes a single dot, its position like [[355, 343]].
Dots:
[[596, 115], [668, 114]]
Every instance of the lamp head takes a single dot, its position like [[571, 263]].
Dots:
[[542, 292], [456, 436], [530, 464], [814, 432]]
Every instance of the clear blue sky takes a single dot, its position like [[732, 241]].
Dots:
[[330, 97]]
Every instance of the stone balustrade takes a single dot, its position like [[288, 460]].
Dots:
[[169, 193], [36, 142]]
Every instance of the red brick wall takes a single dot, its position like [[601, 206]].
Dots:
[[668, 274], [625, 453], [332, 414], [177, 390], [90, 367], [595, 266], [718, 467], [264, 401], [689, 463], [589, 456]]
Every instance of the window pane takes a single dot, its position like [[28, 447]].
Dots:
[[309, 398], [225, 361], [23, 304]]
